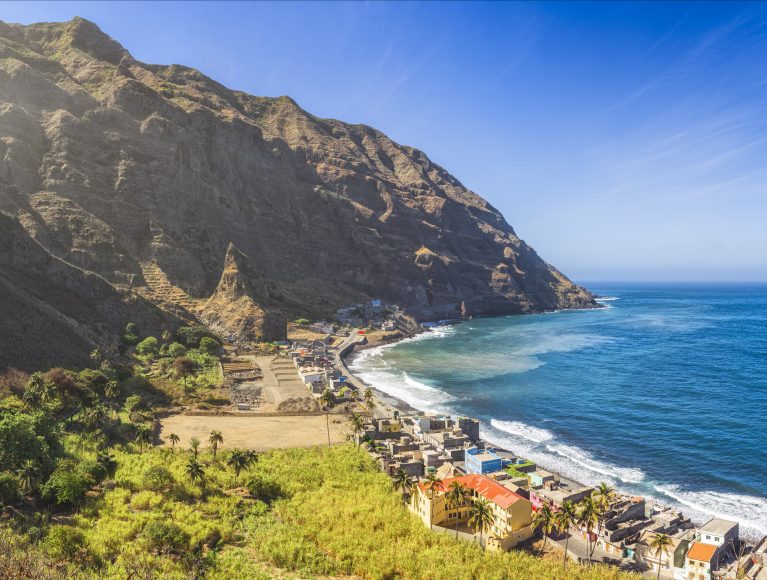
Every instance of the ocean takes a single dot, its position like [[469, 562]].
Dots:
[[663, 392]]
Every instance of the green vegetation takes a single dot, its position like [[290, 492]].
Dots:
[[88, 495], [515, 469]]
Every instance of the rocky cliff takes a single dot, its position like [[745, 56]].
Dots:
[[161, 187]]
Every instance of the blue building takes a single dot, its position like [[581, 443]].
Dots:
[[482, 461]]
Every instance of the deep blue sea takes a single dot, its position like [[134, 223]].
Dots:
[[663, 392]]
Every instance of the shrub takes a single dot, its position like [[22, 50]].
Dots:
[[63, 542], [148, 346], [134, 403], [130, 335], [9, 488], [264, 489], [157, 478], [192, 335], [166, 537], [176, 349], [303, 322], [65, 486], [209, 345]]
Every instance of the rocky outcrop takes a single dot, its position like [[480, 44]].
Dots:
[[129, 170], [236, 306]]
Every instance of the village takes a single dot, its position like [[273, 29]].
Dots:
[[450, 478]]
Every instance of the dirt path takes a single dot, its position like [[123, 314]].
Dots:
[[259, 433]]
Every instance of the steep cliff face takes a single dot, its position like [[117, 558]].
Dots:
[[146, 174]]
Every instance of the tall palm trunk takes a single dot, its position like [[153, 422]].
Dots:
[[660, 565], [327, 422], [567, 541]]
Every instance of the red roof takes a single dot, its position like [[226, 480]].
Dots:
[[701, 552], [487, 488]]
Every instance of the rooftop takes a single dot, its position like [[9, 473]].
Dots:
[[487, 488], [701, 552], [717, 526]]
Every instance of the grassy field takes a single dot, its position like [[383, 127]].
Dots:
[[319, 512]]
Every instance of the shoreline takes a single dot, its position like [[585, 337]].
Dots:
[[391, 403]]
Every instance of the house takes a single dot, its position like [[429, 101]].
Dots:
[[671, 562], [482, 461], [701, 561], [512, 513], [713, 541], [557, 495], [540, 477]]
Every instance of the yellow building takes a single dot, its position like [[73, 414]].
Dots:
[[512, 512]]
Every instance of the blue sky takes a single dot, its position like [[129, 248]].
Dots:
[[622, 141]]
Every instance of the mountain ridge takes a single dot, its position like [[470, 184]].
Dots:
[[121, 168]]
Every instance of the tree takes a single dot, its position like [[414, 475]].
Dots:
[[457, 495], [433, 483], [659, 545], [173, 438], [194, 443], [544, 519], [130, 335], [144, 436], [588, 517], [97, 416], [403, 482], [370, 400], [111, 393], [65, 486], [148, 346], [29, 476], [604, 496], [209, 345], [567, 517], [357, 424], [106, 463], [481, 517], [240, 459], [166, 537], [194, 470], [215, 439], [326, 401], [184, 367], [9, 488]]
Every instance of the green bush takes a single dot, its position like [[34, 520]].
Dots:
[[9, 488], [166, 537], [303, 322], [64, 542], [130, 334], [176, 349], [66, 486], [192, 335], [134, 403], [157, 478], [209, 345], [148, 346]]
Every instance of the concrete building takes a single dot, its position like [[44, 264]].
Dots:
[[482, 461], [671, 563]]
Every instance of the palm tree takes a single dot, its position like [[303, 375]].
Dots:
[[144, 436], [173, 438], [215, 439], [240, 459], [544, 519], [370, 400], [588, 517], [403, 482], [194, 443], [97, 416], [457, 495], [106, 463], [358, 425], [433, 482], [194, 470], [604, 496], [29, 476], [111, 392], [326, 401], [481, 517], [567, 516], [659, 545]]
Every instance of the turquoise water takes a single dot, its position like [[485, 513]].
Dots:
[[662, 393]]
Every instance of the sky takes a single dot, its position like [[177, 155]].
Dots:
[[623, 141]]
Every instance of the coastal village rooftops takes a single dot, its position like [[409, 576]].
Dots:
[[701, 552], [718, 526], [487, 488]]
